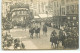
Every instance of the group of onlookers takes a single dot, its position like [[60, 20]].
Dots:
[[9, 41], [37, 30], [68, 39]]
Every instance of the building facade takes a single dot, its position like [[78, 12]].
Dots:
[[65, 11], [56, 12], [40, 6], [72, 13]]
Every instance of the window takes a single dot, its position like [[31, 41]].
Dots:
[[54, 4], [13, 14], [57, 4], [63, 2], [74, 18], [67, 1], [63, 11], [77, 8], [68, 17], [72, 8], [67, 9], [17, 12], [20, 12]]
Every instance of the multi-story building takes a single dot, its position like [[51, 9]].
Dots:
[[50, 6], [40, 6], [5, 7], [56, 8], [65, 11], [56, 12], [72, 11], [69, 12]]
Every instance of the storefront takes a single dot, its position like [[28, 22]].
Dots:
[[73, 22], [59, 21]]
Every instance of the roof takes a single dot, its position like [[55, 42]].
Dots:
[[19, 5]]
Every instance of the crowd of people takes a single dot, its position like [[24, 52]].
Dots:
[[36, 30], [9, 41], [68, 40]]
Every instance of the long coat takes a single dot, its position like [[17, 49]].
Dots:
[[37, 30], [53, 33], [54, 39], [45, 28], [31, 30], [60, 35]]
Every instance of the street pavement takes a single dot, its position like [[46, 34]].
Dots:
[[36, 43]]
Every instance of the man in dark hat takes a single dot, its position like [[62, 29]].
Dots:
[[31, 31], [60, 35], [54, 39], [44, 30]]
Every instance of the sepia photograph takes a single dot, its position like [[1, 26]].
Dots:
[[40, 24]]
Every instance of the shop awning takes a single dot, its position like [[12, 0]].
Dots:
[[43, 15], [36, 17]]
